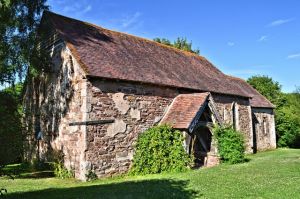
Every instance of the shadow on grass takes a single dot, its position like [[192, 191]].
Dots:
[[35, 175], [132, 189], [23, 171]]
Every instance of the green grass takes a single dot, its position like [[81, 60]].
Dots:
[[272, 174]]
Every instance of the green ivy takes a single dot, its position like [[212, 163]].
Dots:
[[160, 149], [231, 144]]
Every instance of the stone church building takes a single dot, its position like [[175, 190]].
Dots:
[[105, 88]]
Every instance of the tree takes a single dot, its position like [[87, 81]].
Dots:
[[291, 125], [180, 43], [10, 131], [287, 112], [292, 104], [268, 88], [19, 20]]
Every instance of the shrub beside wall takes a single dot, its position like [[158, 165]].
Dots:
[[59, 169], [160, 149], [231, 144]]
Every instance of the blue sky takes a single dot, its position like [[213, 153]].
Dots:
[[241, 37]]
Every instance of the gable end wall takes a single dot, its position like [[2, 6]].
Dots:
[[265, 134], [52, 101]]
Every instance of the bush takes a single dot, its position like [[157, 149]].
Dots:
[[230, 144], [91, 175], [160, 149], [61, 172]]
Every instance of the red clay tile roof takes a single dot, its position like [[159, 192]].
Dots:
[[256, 100], [109, 54], [183, 110]]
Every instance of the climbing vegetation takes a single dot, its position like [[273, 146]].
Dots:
[[230, 143], [160, 149]]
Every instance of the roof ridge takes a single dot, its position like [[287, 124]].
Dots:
[[233, 77]]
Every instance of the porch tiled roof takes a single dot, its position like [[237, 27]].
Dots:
[[183, 110]]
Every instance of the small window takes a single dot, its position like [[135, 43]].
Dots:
[[234, 115], [265, 127], [38, 132]]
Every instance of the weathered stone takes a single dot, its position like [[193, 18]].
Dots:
[[121, 104], [122, 156], [102, 152], [135, 113], [110, 170], [212, 160], [143, 104], [157, 119], [119, 126]]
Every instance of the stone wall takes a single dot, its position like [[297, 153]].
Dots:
[[236, 110], [265, 136], [51, 102], [135, 108]]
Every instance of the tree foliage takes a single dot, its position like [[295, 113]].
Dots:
[[287, 112], [160, 149], [180, 43], [268, 88], [288, 119], [10, 131], [19, 20]]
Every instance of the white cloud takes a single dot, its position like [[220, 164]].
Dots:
[[280, 22], [230, 43], [131, 20], [78, 8], [86, 9], [129, 23], [263, 38], [293, 56]]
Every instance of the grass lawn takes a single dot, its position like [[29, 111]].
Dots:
[[272, 174]]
